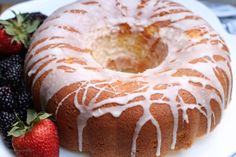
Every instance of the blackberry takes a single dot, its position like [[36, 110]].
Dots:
[[21, 113], [36, 16], [7, 102], [9, 62], [23, 99], [14, 75], [2, 78], [7, 119]]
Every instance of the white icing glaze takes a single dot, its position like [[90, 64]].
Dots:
[[88, 25]]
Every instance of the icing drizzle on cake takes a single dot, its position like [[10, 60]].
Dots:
[[196, 58]]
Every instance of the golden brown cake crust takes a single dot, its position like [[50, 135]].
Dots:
[[99, 132], [120, 85]]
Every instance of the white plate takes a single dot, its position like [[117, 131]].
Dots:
[[221, 142]]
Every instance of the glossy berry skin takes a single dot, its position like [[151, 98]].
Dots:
[[41, 141], [9, 62], [14, 75], [35, 16], [6, 121], [7, 102], [7, 47], [23, 98]]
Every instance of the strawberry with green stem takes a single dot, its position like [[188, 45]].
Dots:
[[15, 34], [35, 138]]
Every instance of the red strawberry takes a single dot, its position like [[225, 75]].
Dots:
[[37, 138], [7, 47], [15, 34]]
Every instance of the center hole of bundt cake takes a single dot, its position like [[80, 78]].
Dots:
[[126, 51]]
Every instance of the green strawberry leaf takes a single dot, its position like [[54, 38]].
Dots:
[[17, 133], [31, 115], [4, 22], [20, 128], [22, 38], [32, 27], [10, 31], [35, 121], [19, 18], [20, 28], [42, 115]]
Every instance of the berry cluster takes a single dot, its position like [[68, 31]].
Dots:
[[15, 99]]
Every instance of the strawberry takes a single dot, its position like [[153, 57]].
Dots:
[[7, 46], [35, 138], [15, 34]]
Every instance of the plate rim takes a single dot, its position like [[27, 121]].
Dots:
[[228, 38]]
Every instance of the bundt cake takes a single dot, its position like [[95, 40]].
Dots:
[[128, 78]]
